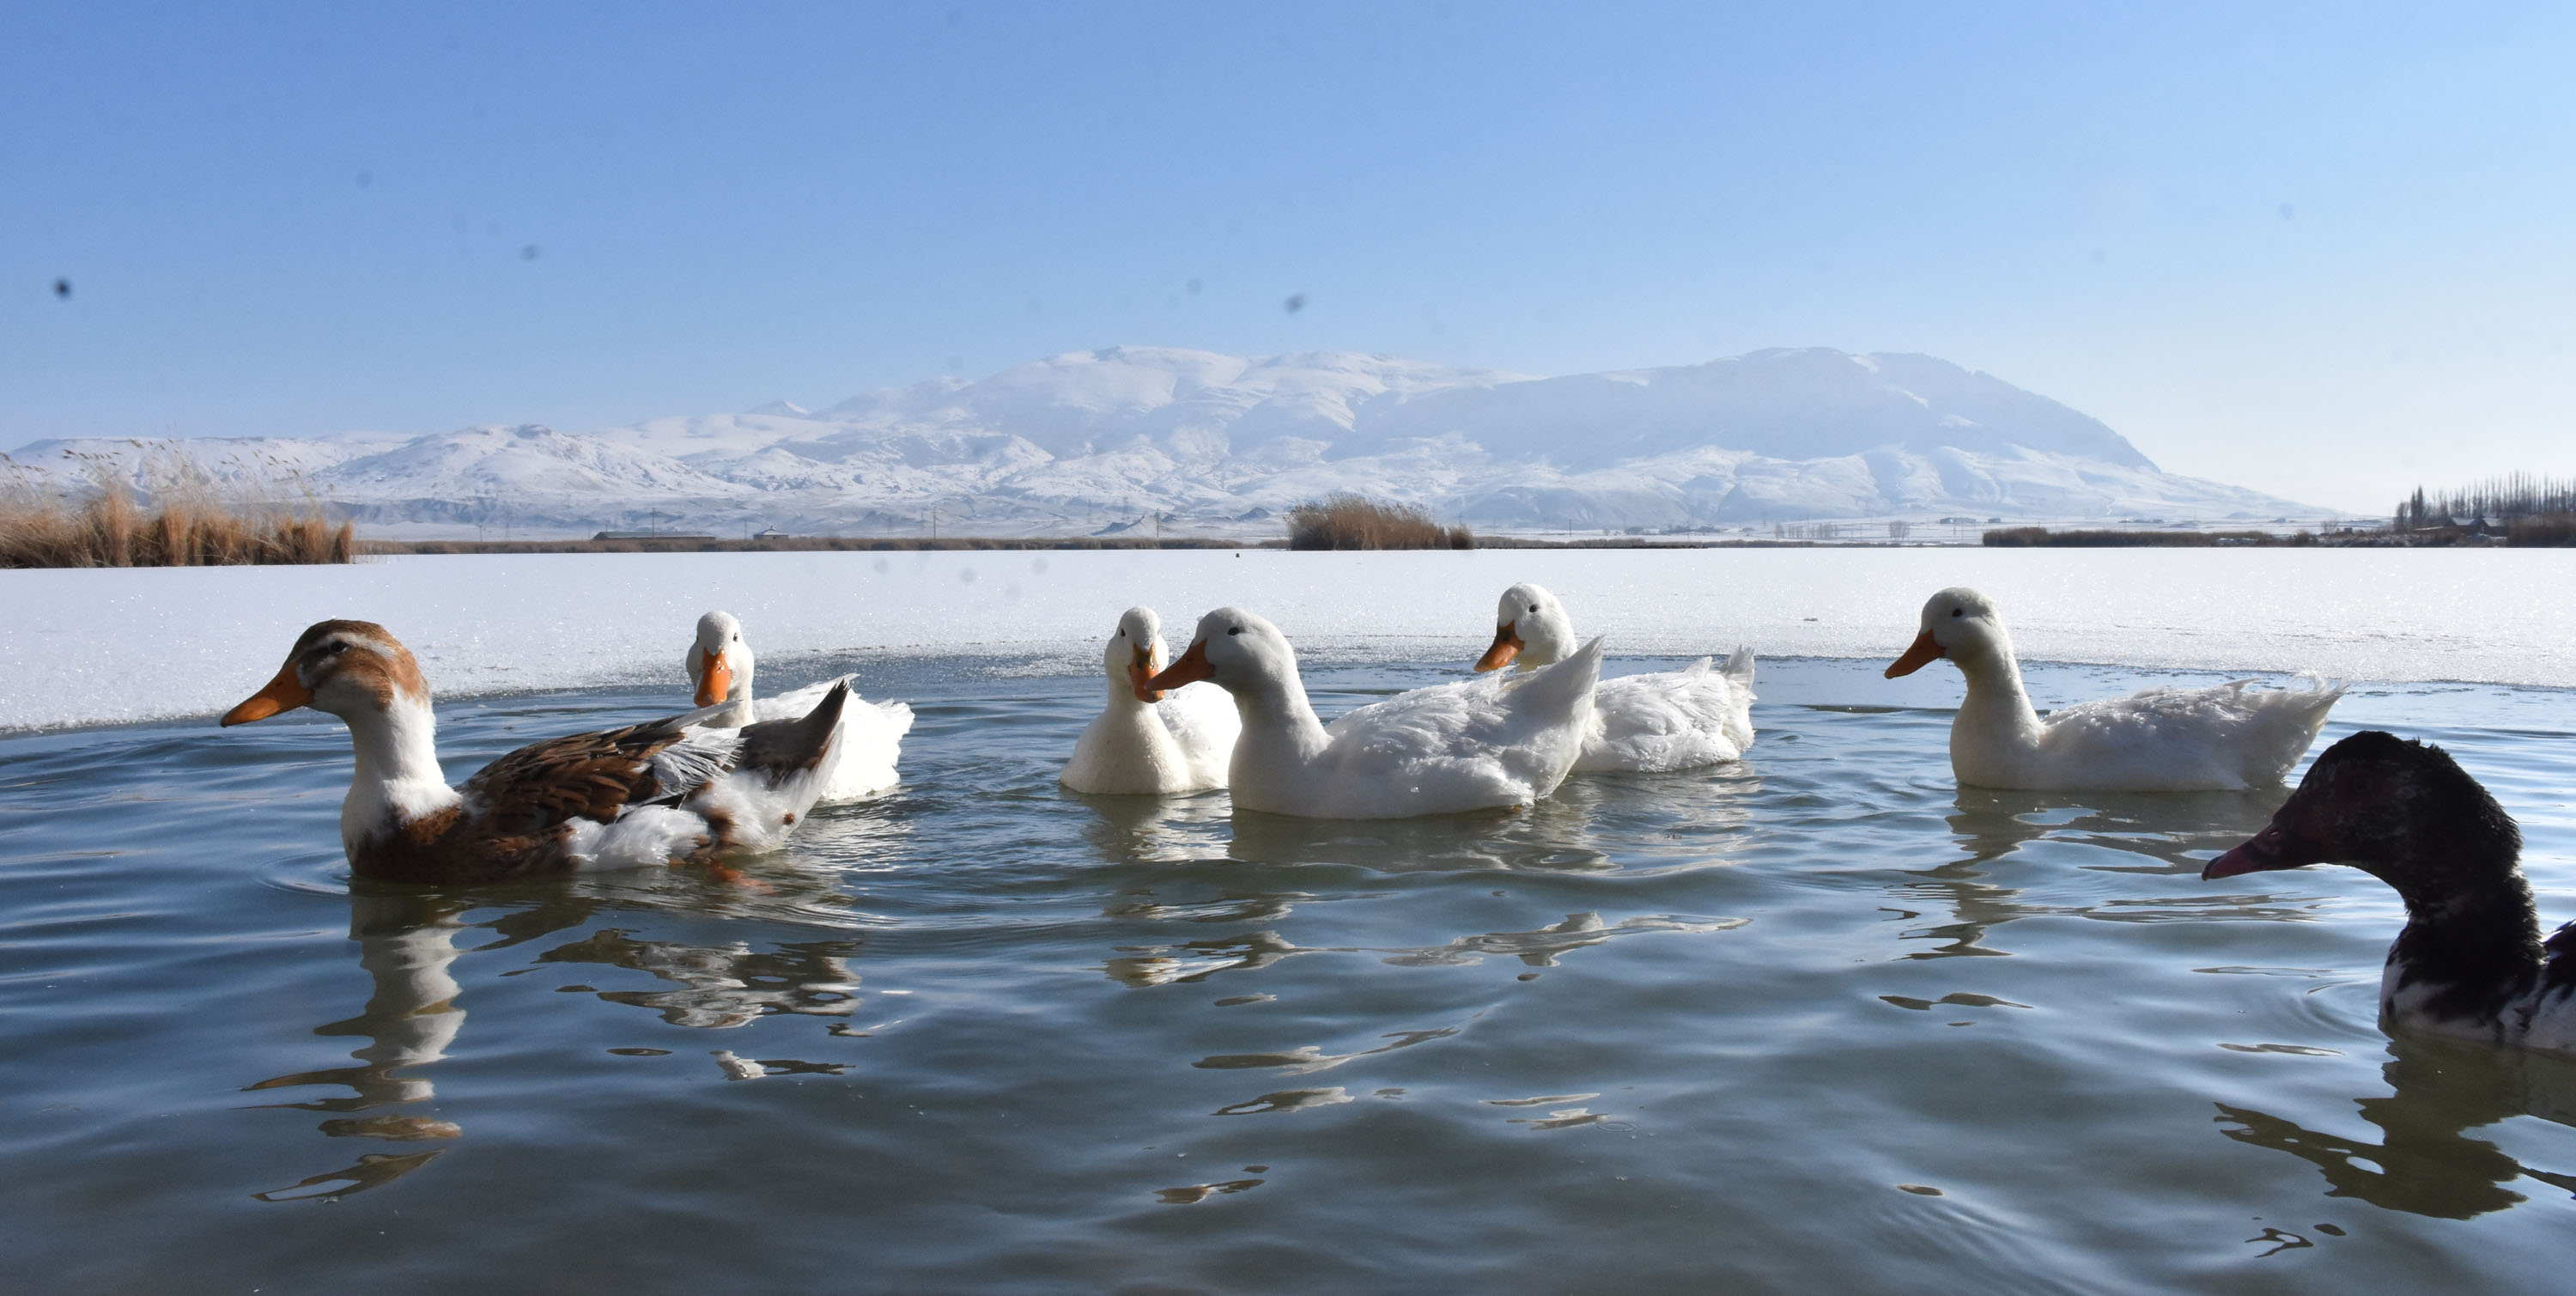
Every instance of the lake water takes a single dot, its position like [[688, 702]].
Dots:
[[1820, 1021]]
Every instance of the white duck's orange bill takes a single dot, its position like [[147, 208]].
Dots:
[[1507, 645], [717, 684], [284, 693], [1190, 669], [1916, 657], [1140, 676]]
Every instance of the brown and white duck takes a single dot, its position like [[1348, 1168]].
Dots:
[[671, 791], [2470, 961]]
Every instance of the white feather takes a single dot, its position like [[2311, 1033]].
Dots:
[[1181, 743], [1649, 723], [866, 747], [1472, 745], [2219, 739]]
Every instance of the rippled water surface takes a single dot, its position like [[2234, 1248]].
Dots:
[[1821, 1021]]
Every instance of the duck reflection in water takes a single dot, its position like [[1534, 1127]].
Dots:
[[405, 943], [1155, 829], [1697, 821], [1701, 819], [719, 987], [2159, 828], [2425, 1163], [1141, 966]]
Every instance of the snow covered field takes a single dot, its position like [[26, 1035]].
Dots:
[[106, 646]]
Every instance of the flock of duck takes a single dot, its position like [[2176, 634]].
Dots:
[[738, 773]]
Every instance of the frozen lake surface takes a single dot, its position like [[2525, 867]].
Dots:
[[1819, 1021], [106, 646]]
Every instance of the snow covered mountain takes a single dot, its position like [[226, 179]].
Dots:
[[1092, 441]]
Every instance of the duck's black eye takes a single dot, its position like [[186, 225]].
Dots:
[[1533, 607], [1235, 631], [1958, 611]]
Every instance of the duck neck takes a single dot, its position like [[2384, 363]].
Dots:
[[1544, 642], [1122, 696], [738, 712], [2472, 933], [398, 780], [1997, 706], [1277, 707]]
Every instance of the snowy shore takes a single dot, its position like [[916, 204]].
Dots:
[[108, 646]]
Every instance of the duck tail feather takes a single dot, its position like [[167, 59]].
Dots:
[[2327, 690], [779, 748], [1559, 685], [1739, 665]]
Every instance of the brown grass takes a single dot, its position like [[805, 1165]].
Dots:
[[191, 526], [2043, 538], [791, 544], [1355, 522]]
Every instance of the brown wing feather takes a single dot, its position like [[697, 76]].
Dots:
[[513, 819], [592, 775]]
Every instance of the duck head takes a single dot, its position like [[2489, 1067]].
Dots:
[[1958, 623], [1234, 650], [1530, 627], [341, 668], [2402, 811], [1136, 653], [720, 663]]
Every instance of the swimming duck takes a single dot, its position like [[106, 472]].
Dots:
[[1146, 740], [871, 738], [1667, 720], [2470, 961], [2220, 739], [675, 790], [1473, 745]]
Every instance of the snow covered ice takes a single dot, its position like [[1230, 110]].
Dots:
[[95, 646]]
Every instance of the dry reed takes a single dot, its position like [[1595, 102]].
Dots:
[[188, 525], [1355, 522], [2043, 538]]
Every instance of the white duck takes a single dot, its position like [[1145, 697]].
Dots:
[[1145, 740], [1473, 745], [2220, 739], [871, 738], [2470, 961], [1667, 720], [680, 789]]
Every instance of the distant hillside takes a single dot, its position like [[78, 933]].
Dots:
[[1088, 441]]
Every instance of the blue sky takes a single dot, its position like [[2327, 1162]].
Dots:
[[2320, 250]]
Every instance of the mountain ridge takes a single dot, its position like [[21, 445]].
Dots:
[[1073, 442]]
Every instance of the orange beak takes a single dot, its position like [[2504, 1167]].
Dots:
[[1190, 669], [1922, 651], [285, 693], [717, 684], [1140, 675], [1507, 645]]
